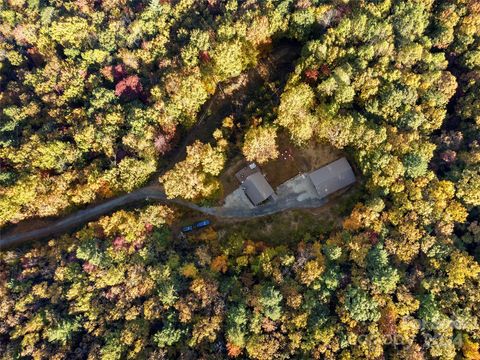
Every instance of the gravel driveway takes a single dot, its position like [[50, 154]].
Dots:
[[296, 193]]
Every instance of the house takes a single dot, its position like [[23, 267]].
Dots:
[[257, 188], [254, 184], [332, 177]]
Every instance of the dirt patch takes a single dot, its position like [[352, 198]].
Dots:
[[274, 231], [294, 160]]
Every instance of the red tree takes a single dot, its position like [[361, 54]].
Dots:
[[114, 73], [119, 72], [448, 156], [163, 141], [311, 74], [204, 56], [129, 88]]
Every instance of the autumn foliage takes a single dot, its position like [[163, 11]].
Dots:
[[129, 88], [96, 97]]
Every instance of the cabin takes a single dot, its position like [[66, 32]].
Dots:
[[253, 183], [332, 177]]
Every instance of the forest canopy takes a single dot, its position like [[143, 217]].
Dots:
[[95, 100]]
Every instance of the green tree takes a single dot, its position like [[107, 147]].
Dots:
[[382, 275], [415, 165], [169, 335], [360, 305], [236, 321], [270, 300], [63, 331]]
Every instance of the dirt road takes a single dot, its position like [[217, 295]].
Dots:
[[81, 217]]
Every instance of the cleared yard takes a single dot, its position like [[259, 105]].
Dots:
[[291, 162]]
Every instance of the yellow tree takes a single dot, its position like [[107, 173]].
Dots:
[[260, 144], [461, 267], [195, 176], [296, 112]]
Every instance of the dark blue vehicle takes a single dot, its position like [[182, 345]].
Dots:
[[201, 224], [187, 228], [197, 225]]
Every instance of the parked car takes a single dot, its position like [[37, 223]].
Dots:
[[201, 224], [197, 225], [188, 228]]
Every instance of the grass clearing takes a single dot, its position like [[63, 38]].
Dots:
[[292, 226]]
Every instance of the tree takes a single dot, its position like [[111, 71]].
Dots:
[[199, 44], [189, 92], [72, 33], [113, 348], [260, 144], [129, 88], [312, 271], [263, 347], [410, 20], [169, 335], [63, 331], [231, 58], [205, 329], [236, 321], [471, 349], [460, 268], [129, 174], [194, 177], [89, 251], [360, 306], [382, 275], [270, 300], [468, 188], [295, 112], [415, 165]]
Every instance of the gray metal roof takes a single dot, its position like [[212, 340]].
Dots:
[[257, 188], [332, 177]]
